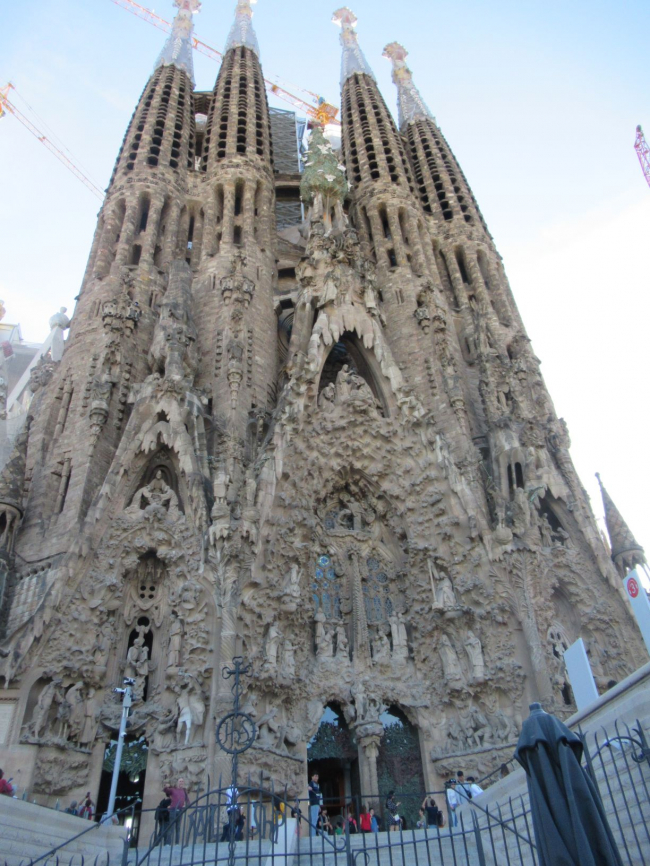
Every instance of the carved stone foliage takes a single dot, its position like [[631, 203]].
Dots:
[[60, 772]]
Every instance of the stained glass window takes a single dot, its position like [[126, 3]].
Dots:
[[376, 591], [325, 588]]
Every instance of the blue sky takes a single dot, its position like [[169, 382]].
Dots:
[[538, 100]]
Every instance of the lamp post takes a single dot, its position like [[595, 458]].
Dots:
[[127, 700]]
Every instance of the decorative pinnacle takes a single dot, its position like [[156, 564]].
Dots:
[[177, 51], [352, 60], [241, 32], [626, 551], [410, 104]]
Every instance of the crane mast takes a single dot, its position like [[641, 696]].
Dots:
[[643, 152]]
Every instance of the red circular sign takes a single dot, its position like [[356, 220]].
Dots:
[[633, 587]]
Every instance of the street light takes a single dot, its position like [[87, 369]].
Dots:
[[127, 700]]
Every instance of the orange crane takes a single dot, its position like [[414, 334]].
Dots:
[[643, 152], [318, 110], [6, 106]]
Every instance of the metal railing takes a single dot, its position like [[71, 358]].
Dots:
[[266, 824]]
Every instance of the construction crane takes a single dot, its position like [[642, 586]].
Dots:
[[6, 106], [643, 152], [319, 110]]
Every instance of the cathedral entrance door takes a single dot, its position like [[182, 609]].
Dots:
[[339, 783]]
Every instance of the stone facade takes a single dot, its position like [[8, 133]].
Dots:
[[327, 448]]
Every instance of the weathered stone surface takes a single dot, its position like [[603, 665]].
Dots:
[[350, 472]]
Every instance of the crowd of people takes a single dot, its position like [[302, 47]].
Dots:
[[457, 790], [169, 812]]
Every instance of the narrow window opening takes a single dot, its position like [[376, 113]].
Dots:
[[236, 236], [392, 258], [461, 267], [136, 252], [519, 475]]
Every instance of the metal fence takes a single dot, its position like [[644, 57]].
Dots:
[[268, 826]]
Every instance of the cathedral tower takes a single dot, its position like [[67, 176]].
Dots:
[[349, 472]]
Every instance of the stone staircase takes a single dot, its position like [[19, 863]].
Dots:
[[411, 848]]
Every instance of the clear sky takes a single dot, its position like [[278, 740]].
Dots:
[[538, 100]]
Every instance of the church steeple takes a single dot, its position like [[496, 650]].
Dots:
[[177, 51], [352, 58], [241, 32], [626, 551], [410, 104]]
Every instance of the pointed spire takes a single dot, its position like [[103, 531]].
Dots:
[[241, 32], [410, 104], [177, 51], [626, 551], [352, 60]]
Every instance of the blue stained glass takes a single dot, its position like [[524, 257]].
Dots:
[[316, 602], [372, 563], [389, 607], [337, 607], [323, 560], [320, 573], [327, 606], [330, 574], [382, 577]]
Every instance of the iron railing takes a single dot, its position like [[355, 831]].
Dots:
[[208, 833]]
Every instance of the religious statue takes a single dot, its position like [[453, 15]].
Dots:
[[545, 531], [175, 641], [89, 727], [381, 648], [191, 711], [273, 640], [291, 595], [342, 645], [450, 663], [324, 642], [400, 638], [156, 496], [288, 659], [41, 713], [474, 652]]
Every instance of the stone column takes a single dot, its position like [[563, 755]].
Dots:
[[368, 739]]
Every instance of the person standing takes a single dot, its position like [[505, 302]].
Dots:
[[364, 820], [392, 809], [452, 803], [87, 808], [473, 787], [374, 824], [179, 801], [463, 790], [5, 786], [315, 800], [72, 809], [431, 812], [162, 821]]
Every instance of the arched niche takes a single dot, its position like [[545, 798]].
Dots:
[[349, 352], [160, 467]]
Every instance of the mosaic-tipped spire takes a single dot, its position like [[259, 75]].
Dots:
[[177, 51], [626, 551], [241, 32], [410, 104], [352, 60]]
